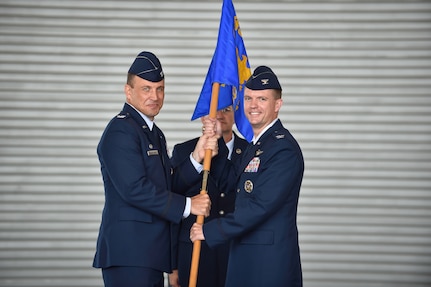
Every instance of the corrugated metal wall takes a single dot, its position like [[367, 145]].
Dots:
[[357, 95]]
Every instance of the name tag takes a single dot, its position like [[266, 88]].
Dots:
[[152, 152]]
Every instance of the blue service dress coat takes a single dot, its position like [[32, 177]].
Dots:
[[265, 249], [139, 206], [213, 261]]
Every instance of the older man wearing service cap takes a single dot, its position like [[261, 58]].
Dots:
[[264, 249], [134, 243]]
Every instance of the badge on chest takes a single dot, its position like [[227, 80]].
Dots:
[[248, 186], [253, 165], [152, 151]]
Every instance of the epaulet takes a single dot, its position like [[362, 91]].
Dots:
[[121, 116], [279, 135]]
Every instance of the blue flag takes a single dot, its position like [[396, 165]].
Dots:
[[230, 68]]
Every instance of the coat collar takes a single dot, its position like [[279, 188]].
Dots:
[[140, 118]]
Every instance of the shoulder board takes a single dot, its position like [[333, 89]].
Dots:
[[279, 134]]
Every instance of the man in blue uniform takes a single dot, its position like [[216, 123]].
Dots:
[[212, 261], [263, 230], [134, 243]]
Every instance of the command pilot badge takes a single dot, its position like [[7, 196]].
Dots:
[[248, 186]]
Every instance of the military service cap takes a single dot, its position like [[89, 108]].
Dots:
[[147, 66], [263, 78]]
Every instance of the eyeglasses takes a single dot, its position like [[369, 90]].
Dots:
[[226, 110]]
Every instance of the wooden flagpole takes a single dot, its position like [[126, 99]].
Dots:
[[206, 169]]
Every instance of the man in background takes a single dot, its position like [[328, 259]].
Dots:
[[212, 262]]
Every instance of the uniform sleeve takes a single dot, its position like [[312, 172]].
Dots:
[[273, 185], [185, 175], [122, 159]]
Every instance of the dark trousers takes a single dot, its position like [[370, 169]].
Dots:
[[122, 276]]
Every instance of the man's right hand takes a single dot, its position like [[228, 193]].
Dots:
[[173, 279], [201, 205], [211, 127], [202, 145]]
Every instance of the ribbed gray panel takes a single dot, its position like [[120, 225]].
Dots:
[[357, 95]]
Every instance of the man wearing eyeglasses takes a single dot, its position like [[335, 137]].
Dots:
[[212, 262]]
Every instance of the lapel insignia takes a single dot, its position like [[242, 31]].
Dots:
[[248, 186], [259, 152], [279, 137], [238, 151]]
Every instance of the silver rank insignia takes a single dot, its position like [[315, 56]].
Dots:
[[248, 186]]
